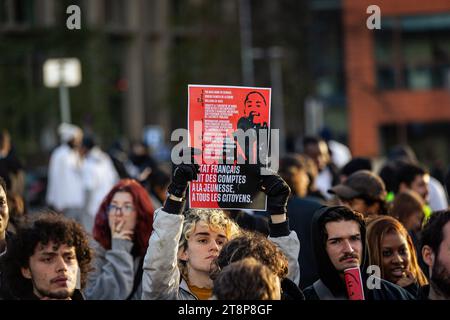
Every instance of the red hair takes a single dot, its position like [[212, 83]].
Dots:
[[144, 211]]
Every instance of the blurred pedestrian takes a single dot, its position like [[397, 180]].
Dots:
[[355, 164], [408, 209], [413, 177], [159, 181], [363, 191], [99, 176], [317, 149], [301, 208], [11, 168], [65, 190]]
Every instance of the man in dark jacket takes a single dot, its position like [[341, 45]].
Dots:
[[48, 260], [301, 210], [436, 254], [338, 238]]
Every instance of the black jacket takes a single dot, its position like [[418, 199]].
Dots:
[[301, 212], [290, 291], [387, 291], [424, 292], [2, 264], [331, 278]]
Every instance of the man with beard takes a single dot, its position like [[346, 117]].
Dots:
[[338, 238], [48, 260], [436, 254]]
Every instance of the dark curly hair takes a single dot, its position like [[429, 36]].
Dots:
[[253, 245], [246, 279], [340, 213], [433, 231], [47, 227]]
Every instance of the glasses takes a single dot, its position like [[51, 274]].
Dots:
[[126, 209]]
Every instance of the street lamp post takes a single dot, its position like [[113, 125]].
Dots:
[[274, 55], [62, 74], [245, 24], [64, 104], [276, 78]]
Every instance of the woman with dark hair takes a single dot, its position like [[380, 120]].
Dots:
[[408, 209], [392, 249], [123, 225]]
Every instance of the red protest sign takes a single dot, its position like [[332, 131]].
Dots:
[[230, 125], [354, 284]]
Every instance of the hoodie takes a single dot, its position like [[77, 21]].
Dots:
[[330, 279]]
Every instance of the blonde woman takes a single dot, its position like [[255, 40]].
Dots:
[[182, 249]]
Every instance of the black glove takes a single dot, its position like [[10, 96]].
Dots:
[[277, 191], [182, 174]]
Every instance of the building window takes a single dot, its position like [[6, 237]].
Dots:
[[413, 52], [16, 12]]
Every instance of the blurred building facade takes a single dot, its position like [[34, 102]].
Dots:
[[377, 87], [123, 49], [397, 78], [137, 56]]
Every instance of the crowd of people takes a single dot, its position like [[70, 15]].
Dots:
[[116, 232]]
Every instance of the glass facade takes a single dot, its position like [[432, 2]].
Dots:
[[413, 52]]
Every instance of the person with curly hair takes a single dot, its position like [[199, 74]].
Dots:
[[183, 247], [265, 251], [247, 279], [49, 259]]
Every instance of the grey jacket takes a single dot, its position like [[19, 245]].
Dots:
[[114, 272], [161, 279]]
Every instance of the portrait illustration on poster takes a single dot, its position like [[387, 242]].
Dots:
[[230, 125]]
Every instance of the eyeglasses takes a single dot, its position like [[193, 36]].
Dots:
[[126, 209]]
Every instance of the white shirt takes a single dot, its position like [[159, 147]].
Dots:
[[99, 176], [437, 197], [340, 153], [324, 182], [65, 184]]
